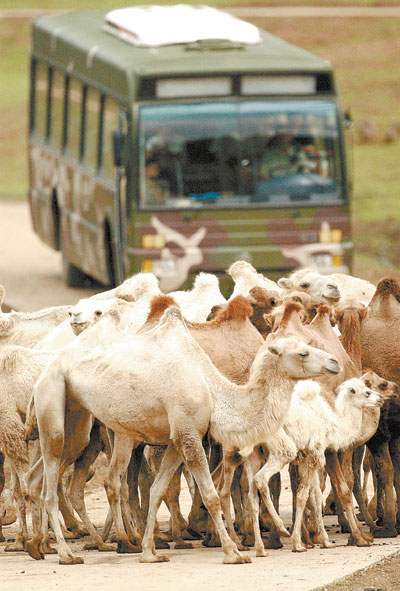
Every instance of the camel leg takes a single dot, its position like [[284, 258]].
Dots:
[[316, 500], [251, 468], [135, 466], [367, 469], [262, 478], [394, 448], [121, 455], [344, 495], [178, 523], [2, 482], [169, 464], [19, 498], [385, 479], [358, 454], [307, 474], [224, 491], [76, 489], [195, 459]]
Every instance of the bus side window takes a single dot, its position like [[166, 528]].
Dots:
[[92, 127], [57, 109], [74, 119], [110, 124], [41, 100]]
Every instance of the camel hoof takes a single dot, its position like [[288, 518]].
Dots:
[[101, 547], [211, 542], [191, 534], [14, 547], [67, 560], [261, 553], [272, 544], [236, 559], [34, 551], [195, 535], [386, 532], [248, 540], [161, 544], [154, 558], [360, 542], [164, 536], [299, 549], [125, 547], [183, 546]]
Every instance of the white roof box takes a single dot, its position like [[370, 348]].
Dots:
[[154, 26]]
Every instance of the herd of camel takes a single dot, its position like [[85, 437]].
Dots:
[[302, 373]]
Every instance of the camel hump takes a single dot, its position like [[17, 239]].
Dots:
[[290, 309], [323, 310], [237, 309], [158, 305], [388, 286]]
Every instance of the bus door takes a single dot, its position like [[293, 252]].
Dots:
[[120, 203]]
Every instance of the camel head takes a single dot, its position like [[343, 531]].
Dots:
[[356, 392], [296, 359], [86, 312], [388, 390], [320, 287]]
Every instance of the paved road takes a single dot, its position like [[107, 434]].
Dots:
[[29, 270]]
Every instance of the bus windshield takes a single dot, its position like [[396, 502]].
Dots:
[[239, 154]]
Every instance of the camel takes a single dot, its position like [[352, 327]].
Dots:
[[380, 351], [263, 302], [332, 287], [310, 427], [320, 287], [245, 277], [321, 334], [194, 396], [197, 303]]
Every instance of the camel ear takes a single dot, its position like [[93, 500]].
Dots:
[[6, 325], [285, 283], [274, 349]]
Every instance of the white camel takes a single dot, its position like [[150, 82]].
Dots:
[[310, 427], [197, 303], [245, 277], [120, 385], [321, 287]]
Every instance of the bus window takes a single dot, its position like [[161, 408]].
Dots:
[[227, 153], [110, 124], [41, 99], [92, 120], [57, 109], [75, 96]]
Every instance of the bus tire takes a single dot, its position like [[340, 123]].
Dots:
[[72, 276]]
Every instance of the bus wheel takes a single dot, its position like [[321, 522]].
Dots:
[[72, 276]]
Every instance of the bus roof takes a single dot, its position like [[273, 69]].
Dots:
[[80, 43]]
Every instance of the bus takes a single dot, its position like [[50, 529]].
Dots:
[[174, 139]]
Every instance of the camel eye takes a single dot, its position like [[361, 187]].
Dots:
[[305, 285], [98, 313], [352, 390], [368, 383], [383, 386], [273, 302], [304, 354]]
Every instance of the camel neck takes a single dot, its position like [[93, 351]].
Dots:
[[247, 415]]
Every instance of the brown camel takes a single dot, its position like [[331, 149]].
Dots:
[[380, 350]]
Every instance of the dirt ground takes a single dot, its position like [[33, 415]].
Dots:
[[30, 273]]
